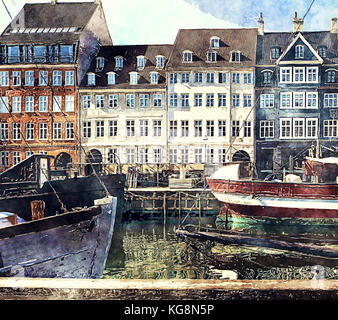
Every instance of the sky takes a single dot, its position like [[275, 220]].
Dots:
[[157, 21]]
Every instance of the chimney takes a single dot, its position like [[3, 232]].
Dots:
[[334, 25], [261, 25], [53, 2], [297, 24]]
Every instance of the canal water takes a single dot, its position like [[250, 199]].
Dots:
[[150, 249]]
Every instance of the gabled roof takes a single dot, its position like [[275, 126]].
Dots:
[[284, 40], [47, 15], [198, 41], [129, 54]]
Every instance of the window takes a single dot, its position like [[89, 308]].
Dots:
[[285, 98], [91, 79], [210, 126], [57, 104], [235, 78], [274, 53], [222, 128], [113, 100], [173, 128], [285, 128], [209, 99], [29, 131], [133, 77], [322, 51], [154, 77], [144, 155], [130, 99], [111, 78], [43, 131], [312, 74], [331, 77], [66, 53], [99, 101], [247, 78], [185, 77], [247, 129], [299, 74], [185, 128], [299, 100], [172, 155], [330, 100], [57, 130], [312, 100], [212, 56], [57, 78], [16, 104], [157, 100], [99, 128], [185, 100], [16, 156], [16, 132], [235, 56], [29, 105], [222, 155], [210, 155], [159, 61], [13, 54], [187, 56], [87, 129], [140, 62], [173, 100], [16, 78], [69, 130], [28, 154], [247, 99], [198, 155], [157, 155], [266, 100], [285, 74], [4, 107], [235, 128], [235, 100], [144, 100], [112, 128], [184, 155], [198, 128], [214, 43], [130, 127], [266, 128], [69, 78], [173, 78], [29, 78], [4, 131], [311, 128], [298, 128], [198, 77], [144, 129], [4, 78], [198, 99], [157, 128], [330, 128], [112, 155], [86, 100], [210, 77], [299, 52], [4, 158], [118, 63], [130, 155], [43, 78], [222, 100], [99, 63], [267, 77], [69, 104]]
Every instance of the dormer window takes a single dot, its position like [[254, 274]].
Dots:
[[211, 56], [187, 56], [111, 78], [275, 53], [214, 43], [91, 79], [133, 77], [118, 63], [159, 61], [322, 51], [99, 63], [140, 62], [299, 53], [235, 56], [154, 77]]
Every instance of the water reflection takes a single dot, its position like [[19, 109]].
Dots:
[[150, 249]]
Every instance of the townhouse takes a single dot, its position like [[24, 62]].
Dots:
[[123, 105], [297, 91], [44, 53], [210, 88]]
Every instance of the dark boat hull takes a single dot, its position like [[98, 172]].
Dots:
[[70, 245]]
